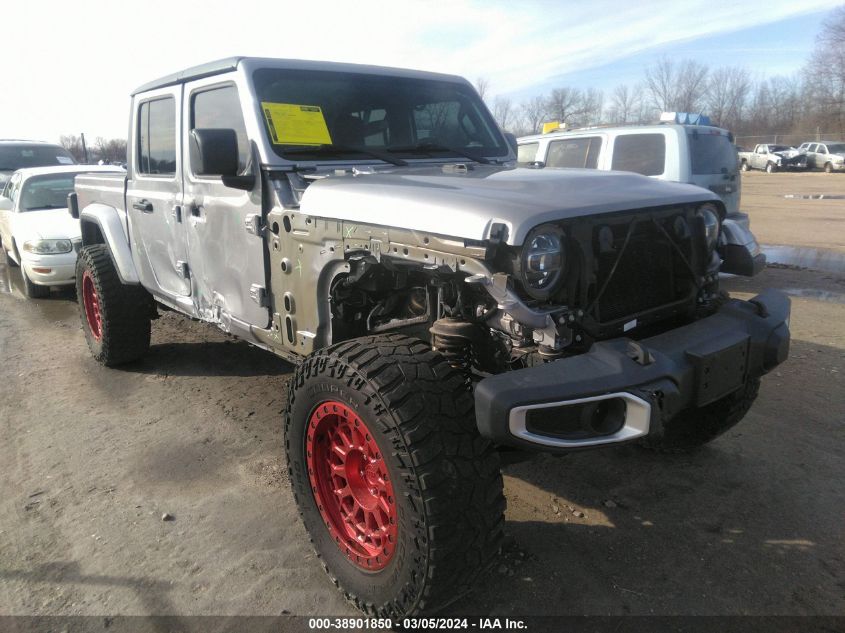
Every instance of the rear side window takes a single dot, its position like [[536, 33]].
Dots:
[[14, 157], [711, 154], [220, 108], [527, 153], [575, 152], [157, 137], [641, 153]]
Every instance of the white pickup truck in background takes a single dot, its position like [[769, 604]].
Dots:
[[772, 158]]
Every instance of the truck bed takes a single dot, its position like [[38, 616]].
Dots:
[[107, 189]]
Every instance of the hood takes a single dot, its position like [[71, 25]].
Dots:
[[465, 205], [50, 224]]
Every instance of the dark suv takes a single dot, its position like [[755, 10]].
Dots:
[[15, 154]]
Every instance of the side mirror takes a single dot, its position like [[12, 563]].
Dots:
[[73, 205], [214, 152], [5, 204], [511, 139]]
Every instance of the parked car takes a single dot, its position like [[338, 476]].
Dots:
[[697, 154], [772, 158], [370, 225], [16, 154], [827, 155], [36, 231]]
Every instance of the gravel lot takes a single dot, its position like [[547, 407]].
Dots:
[[92, 458]]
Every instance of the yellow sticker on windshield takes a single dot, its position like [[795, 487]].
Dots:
[[293, 124]]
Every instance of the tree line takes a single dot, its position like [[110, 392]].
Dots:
[[109, 151], [813, 99]]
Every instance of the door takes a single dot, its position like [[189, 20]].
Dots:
[[154, 194], [225, 252], [811, 155], [11, 192], [821, 156]]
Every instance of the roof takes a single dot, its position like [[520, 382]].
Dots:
[[28, 172], [22, 141], [615, 128], [230, 64]]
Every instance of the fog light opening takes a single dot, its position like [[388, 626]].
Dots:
[[608, 416]]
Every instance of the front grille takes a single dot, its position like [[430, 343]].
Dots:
[[648, 276]]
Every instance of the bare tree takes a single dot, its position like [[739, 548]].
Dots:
[[825, 72], [482, 87], [533, 113], [625, 104], [727, 94], [592, 102], [565, 104], [110, 150], [674, 87], [73, 144], [502, 111]]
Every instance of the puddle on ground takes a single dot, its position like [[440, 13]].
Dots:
[[814, 196], [806, 257], [815, 293]]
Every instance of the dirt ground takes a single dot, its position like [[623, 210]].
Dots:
[[91, 458], [795, 221]]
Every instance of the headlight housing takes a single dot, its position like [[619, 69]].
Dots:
[[48, 247], [541, 261], [709, 215]]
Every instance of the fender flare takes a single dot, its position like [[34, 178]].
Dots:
[[111, 232]]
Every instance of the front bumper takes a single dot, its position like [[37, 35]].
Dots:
[[50, 270], [639, 384]]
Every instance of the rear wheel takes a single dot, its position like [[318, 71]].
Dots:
[[115, 317], [745, 166], [401, 496], [33, 290], [694, 428]]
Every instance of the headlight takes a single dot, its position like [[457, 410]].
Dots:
[[541, 262], [48, 247], [710, 217]]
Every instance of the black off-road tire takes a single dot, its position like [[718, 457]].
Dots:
[[693, 428], [124, 310], [33, 290], [446, 477]]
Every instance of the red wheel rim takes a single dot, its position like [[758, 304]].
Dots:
[[351, 485], [91, 303]]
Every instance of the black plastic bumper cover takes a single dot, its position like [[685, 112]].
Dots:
[[690, 366]]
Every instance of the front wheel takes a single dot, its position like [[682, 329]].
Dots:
[[33, 290], [115, 317], [771, 168], [828, 168], [401, 496]]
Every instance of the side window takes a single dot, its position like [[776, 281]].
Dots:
[[220, 108], [157, 137], [527, 153], [574, 152], [822, 149], [813, 148], [641, 153]]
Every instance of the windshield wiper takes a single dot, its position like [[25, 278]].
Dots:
[[346, 149], [427, 147]]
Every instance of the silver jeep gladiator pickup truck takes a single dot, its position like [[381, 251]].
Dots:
[[442, 305]]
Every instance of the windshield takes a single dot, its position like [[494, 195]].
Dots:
[[13, 157], [332, 113], [711, 154], [46, 192], [836, 148]]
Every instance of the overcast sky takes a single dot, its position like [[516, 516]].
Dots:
[[69, 65]]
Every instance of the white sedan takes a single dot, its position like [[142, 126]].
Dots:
[[36, 231]]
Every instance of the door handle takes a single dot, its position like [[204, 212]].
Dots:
[[143, 205]]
